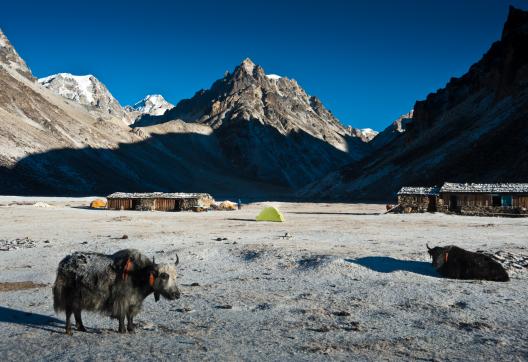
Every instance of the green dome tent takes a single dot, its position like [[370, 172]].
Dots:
[[270, 214]]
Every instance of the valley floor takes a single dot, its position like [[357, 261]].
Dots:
[[345, 283]]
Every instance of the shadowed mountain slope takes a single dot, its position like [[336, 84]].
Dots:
[[55, 142], [473, 130], [267, 126]]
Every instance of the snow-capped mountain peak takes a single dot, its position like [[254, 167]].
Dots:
[[365, 134], [88, 91], [79, 88], [369, 133], [153, 104], [248, 65]]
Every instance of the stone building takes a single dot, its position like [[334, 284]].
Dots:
[[159, 201], [418, 199], [500, 199], [485, 199]]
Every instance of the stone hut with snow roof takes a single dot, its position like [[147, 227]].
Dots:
[[418, 199], [159, 201], [498, 199]]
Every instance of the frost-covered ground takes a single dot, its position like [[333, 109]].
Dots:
[[345, 284]]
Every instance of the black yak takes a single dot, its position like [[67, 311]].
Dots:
[[112, 284], [457, 263]]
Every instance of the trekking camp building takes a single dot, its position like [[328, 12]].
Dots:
[[485, 199], [159, 201], [506, 199], [418, 199]]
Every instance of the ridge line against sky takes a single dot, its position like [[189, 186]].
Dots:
[[368, 62]]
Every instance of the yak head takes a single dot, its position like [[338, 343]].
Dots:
[[165, 281], [438, 254]]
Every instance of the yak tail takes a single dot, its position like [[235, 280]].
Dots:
[[59, 295]]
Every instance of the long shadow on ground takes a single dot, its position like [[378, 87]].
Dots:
[[385, 264], [332, 213], [33, 320]]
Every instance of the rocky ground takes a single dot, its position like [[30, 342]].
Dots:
[[335, 281]]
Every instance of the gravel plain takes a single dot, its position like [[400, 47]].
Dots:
[[335, 281]]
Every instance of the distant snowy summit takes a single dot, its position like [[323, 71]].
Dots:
[[153, 104], [369, 133], [365, 134], [78, 88], [87, 91]]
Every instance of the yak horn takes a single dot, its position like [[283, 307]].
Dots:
[[154, 260], [428, 248], [177, 260]]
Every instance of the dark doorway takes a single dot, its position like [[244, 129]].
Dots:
[[431, 207], [178, 205], [495, 200], [136, 204], [453, 203]]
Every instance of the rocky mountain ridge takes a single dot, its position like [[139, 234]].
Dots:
[[473, 130], [10, 58], [393, 131], [88, 91], [268, 126], [51, 146], [257, 134], [66, 135], [249, 93]]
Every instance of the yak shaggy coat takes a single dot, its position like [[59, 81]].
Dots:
[[112, 284], [456, 263]]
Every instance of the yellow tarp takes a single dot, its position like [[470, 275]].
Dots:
[[98, 204], [270, 214], [227, 205]]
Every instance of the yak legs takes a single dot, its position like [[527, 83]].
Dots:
[[130, 323], [122, 328], [78, 320], [129, 326], [68, 321]]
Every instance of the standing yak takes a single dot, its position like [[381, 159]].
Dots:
[[457, 263], [112, 284]]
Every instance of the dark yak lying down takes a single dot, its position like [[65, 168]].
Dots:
[[457, 263], [112, 284]]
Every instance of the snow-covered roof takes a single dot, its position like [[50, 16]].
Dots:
[[156, 195], [485, 188], [428, 191]]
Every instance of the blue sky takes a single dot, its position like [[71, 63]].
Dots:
[[368, 61]]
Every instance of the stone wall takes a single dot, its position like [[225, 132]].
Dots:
[[481, 208], [146, 205], [492, 210], [413, 203]]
